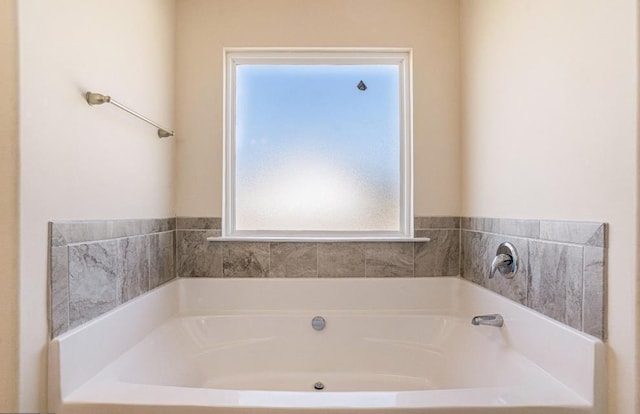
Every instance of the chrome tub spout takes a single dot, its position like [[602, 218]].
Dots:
[[489, 320]]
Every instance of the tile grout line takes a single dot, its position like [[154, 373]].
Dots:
[[582, 302], [68, 280], [364, 251], [175, 253], [413, 257], [460, 246], [528, 278], [269, 263], [317, 260], [149, 262]]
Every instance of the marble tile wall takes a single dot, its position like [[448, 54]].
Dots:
[[196, 257], [97, 265], [562, 271]]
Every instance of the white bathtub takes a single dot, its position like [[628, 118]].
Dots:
[[199, 346]]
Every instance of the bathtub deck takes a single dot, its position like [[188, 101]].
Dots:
[[411, 356]]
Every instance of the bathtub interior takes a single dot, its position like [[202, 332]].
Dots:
[[355, 352], [403, 336]]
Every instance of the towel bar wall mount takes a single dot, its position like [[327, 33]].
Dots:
[[98, 99]]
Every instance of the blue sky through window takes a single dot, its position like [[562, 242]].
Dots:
[[313, 152]]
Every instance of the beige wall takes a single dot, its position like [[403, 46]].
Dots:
[[82, 162], [430, 27], [8, 208], [549, 127], [550, 84]]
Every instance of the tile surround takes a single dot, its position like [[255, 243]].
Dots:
[[479, 249], [563, 266], [435, 222], [161, 258], [440, 256], [594, 285], [245, 259], [133, 268], [508, 227], [584, 233], [95, 266], [389, 259], [555, 282], [93, 280], [59, 290], [199, 223], [341, 260], [98, 265], [68, 232], [293, 260], [197, 257]]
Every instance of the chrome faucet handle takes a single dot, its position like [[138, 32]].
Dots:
[[500, 262], [506, 261]]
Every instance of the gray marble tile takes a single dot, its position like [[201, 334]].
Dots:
[[57, 234], [508, 227], [585, 233], [388, 259], [293, 260], [93, 281], [245, 259], [138, 227], [197, 257], [212, 233], [171, 224], [341, 260], [476, 223], [468, 223], [474, 252], [158, 225], [199, 223], [555, 281], [59, 293], [422, 232], [594, 305], [133, 267], [66, 232], [161, 258], [520, 228], [440, 256], [448, 222], [126, 228]]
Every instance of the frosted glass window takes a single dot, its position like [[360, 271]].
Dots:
[[317, 151]]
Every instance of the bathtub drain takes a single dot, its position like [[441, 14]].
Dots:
[[318, 386]]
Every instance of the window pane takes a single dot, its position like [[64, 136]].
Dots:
[[314, 152]]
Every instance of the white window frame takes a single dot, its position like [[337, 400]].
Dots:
[[402, 57]]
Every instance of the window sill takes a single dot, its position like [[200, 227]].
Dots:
[[319, 239]]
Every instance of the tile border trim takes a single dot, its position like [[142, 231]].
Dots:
[[584, 233]]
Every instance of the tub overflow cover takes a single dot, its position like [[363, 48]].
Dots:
[[318, 386], [318, 323]]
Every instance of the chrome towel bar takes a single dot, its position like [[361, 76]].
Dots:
[[98, 99]]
